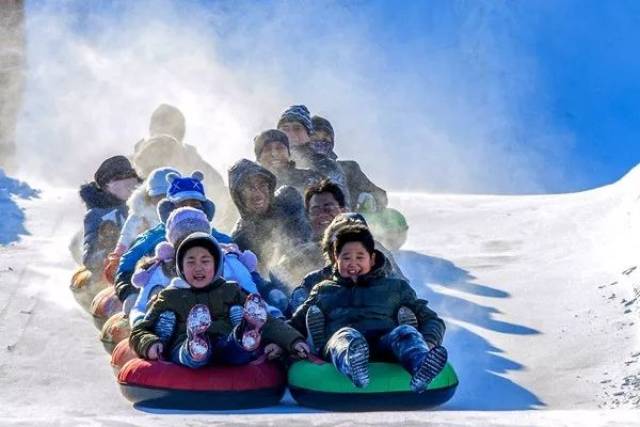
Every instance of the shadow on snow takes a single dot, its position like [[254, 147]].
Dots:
[[479, 364]]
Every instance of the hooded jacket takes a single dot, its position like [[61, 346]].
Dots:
[[276, 232], [369, 305], [218, 296], [102, 224]]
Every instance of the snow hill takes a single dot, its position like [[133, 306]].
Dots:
[[539, 293]]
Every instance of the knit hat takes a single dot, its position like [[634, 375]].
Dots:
[[204, 240], [185, 188], [114, 168], [157, 184], [297, 113], [271, 135], [322, 124], [184, 221]]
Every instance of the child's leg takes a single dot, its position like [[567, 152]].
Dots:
[[229, 350], [411, 350], [196, 350], [165, 326], [254, 318], [349, 352], [314, 321]]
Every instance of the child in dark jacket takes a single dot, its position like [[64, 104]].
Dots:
[[358, 308], [190, 324]]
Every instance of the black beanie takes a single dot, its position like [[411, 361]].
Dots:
[[203, 240], [270, 135], [116, 167], [320, 123]]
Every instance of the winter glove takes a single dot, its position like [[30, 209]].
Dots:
[[250, 260]]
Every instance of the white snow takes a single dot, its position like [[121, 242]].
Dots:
[[542, 322]]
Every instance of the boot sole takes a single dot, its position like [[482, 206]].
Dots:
[[358, 355], [315, 328], [433, 364]]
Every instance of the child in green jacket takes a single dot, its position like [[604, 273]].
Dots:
[[190, 322]]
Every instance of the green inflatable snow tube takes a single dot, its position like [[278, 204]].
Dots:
[[322, 386]]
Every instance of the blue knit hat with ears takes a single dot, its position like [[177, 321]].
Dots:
[[185, 188]]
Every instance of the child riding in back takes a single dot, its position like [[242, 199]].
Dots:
[[357, 309], [190, 324]]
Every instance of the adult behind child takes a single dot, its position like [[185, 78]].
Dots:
[[388, 224], [105, 198], [365, 195], [271, 223], [190, 323], [165, 146], [358, 309], [325, 207], [296, 123], [273, 153]]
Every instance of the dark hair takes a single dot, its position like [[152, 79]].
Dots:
[[324, 186], [354, 233], [340, 220]]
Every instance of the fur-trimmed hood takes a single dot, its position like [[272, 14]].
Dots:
[[139, 206], [94, 197]]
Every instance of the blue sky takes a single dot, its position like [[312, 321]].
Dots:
[[507, 97]]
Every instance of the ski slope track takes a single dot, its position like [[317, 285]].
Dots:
[[540, 295]]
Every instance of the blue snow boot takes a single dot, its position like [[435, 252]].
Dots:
[[430, 367]]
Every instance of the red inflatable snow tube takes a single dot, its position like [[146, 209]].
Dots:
[[121, 355], [155, 384]]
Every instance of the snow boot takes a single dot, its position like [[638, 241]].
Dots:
[[430, 367], [407, 317], [315, 328], [358, 359], [255, 316], [198, 322], [165, 326]]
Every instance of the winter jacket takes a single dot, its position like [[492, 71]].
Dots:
[[145, 244], [358, 183], [370, 305], [219, 296], [142, 216], [305, 157], [391, 270], [161, 272], [276, 232], [164, 150], [105, 217], [300, 179]]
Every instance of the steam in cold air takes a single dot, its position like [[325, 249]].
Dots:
[[94, 77]]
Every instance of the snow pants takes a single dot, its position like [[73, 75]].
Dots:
[[404, 344]]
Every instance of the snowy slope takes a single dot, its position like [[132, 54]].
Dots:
[[540, 314]]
